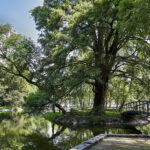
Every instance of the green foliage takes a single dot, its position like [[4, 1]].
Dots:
[[18, 55], [15, 54], [13, 89], [82, 97], [123, 90], [36, 99], [70, 40], [119, 91], [85, 44], [12, 98], [18, 131], [4, 29]]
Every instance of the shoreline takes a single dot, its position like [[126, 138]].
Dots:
[[91, 121]]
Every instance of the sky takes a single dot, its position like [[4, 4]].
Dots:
[[16, 13]]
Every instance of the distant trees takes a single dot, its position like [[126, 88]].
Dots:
[[13, 89], [123, 90]]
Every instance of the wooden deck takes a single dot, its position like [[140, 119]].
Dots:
[[116, 142], [122, 143]]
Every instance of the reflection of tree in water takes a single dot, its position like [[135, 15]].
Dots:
[[75, 137], [28, 133], [70, 138], [35, 133], [115, 130], [5, 116], [38, 142], [14, 133], [144, 129], [61, 139]]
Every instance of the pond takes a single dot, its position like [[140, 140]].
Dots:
[[35, 133]]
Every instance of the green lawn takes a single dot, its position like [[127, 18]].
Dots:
[[113, 113], [6, 107], [51, 115]]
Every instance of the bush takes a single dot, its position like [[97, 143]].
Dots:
[[36, 99]]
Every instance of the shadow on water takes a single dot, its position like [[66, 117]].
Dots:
[[35, 133]]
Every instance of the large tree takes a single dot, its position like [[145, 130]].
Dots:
[[86, 42], [90, 41]]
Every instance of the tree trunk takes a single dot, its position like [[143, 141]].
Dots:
[[106, 103], [53, 108], [80, 102], [117, 104], [100, 95], [122, 105], [110, 104], [60, 108]]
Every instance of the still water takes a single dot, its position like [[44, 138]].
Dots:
[[36, 133]]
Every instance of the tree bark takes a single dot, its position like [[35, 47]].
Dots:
[[60, 108], [100, 95], [54, 105], [104, 61], [122, 105]]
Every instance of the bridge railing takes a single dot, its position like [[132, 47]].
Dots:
[[142, 107]]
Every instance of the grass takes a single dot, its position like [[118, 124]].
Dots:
[[87, 113], [75, 112], [138, 116], [113, 113], [6, 107], [51, 115]]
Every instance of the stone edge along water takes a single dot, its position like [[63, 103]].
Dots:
[[87, 144]]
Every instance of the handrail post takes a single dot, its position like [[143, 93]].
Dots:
[[136, 109], [148, 108], [143, 107], [132, 106], [139, 106]]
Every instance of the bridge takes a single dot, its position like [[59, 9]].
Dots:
[[138, 107]]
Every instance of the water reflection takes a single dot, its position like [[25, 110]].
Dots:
[[144, 129], [35, 133]]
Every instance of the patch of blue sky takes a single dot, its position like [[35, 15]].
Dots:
[[16, 13]]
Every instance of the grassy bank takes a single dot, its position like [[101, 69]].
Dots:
[[51, 115], [87, 113], [5, 107]]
